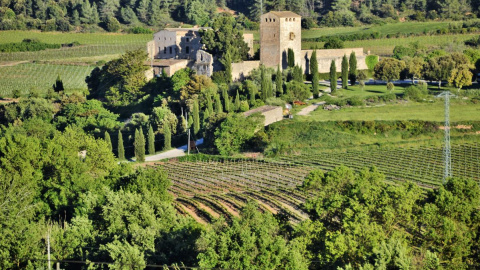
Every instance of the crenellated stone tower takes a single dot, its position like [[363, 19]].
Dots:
[[279, 31]]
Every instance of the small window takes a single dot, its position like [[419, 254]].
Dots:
[[273, 35], [266, 20], [270, 19], [187, 39], [165, 50], [273, 20], [187, 50], [201, 57], [170, 50], [293, 19]]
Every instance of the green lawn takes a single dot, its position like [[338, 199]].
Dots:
[[428, 111]]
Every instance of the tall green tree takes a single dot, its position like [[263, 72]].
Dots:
[[151, 140], [120, 147], [58, 86], [290, 58], [108, 140], [265, 84], [352, 71], [344, 72], [237, 102], [196, 117], [209, 104], [139, 145], [314, 72], [333, 77], [279, 82], [167, 138], [218, 104]]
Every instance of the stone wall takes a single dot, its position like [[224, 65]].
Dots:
[[204, 63], [325, 57], [272, 113], [242, 69], [248, 38]]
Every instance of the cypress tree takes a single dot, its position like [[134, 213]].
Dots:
[[58, 86], [108, 140], [139, 145], [314, 72], [167, 136], [344, 72], [206, 115], [266, 84], [196, 118], [120, 147], [237, 102], [279, 82], [290, 58], [190, 121], [352, 72], [209, 104], [218, 104], [226, 100], [333, 77], [182, 124], [151, 140]]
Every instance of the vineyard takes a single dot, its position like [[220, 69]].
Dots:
[[207, 190], [24, 71]]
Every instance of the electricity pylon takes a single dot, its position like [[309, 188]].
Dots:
[[447, 156]]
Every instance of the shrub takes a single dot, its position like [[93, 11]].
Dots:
[[355, 101], [275, 101], [371, 61], [416, 92], [140, 30], [390, 86], [334, 43]]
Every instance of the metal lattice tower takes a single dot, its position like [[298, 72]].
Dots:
[[447, 156]]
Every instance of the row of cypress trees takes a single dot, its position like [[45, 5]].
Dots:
[[139, 143], [349, 71]]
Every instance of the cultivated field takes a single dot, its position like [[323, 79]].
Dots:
[[209, 189], [38, 70]]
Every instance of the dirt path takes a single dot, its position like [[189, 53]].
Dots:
[[311, 108], [178, 152], [11, 64]]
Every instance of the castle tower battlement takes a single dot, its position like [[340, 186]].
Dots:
[[280, 31]]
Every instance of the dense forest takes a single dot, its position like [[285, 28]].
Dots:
[[112, 15]]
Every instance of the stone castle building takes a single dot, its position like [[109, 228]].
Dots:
[[176, 48]]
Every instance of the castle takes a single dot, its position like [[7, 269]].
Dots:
[[176, 48]]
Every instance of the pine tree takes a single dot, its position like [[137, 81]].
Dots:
[[86, 12], [237, 102], [108, 140], [314, 72], [218, 104], [352, 72], [151, 140], [120, 147], [344, 72], [167, 138], [279, 82], [75, 18], [196, 118], [139, 145], [333, 77], [95, 19], [290, 58]]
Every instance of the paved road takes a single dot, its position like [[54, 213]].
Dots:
[[178, 152]]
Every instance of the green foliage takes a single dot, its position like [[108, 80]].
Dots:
[[314, 72], [167, 138], [417, 92], [399, 52], [120, 147], [290, 58], [278, 83], [352, 70], [151, 140], [196, 117], [225, 34], [258, 243], [296, 91], [333, 77], [344, 72], [112, 24], [139, 145], [371, 61], [390, 86], [162, 116], [119, 81], [26, 109], [108, 140], [297, 74], [58, 86], [235, 131], [333, 43], [218, 105], [441, 67], [125, 256], [27, 45], [266, 84], [388, 69]]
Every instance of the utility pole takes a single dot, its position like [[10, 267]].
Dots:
[[48, 249], [188, 144]]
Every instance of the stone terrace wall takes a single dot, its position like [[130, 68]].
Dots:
[[325, 57], [242, 69]]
